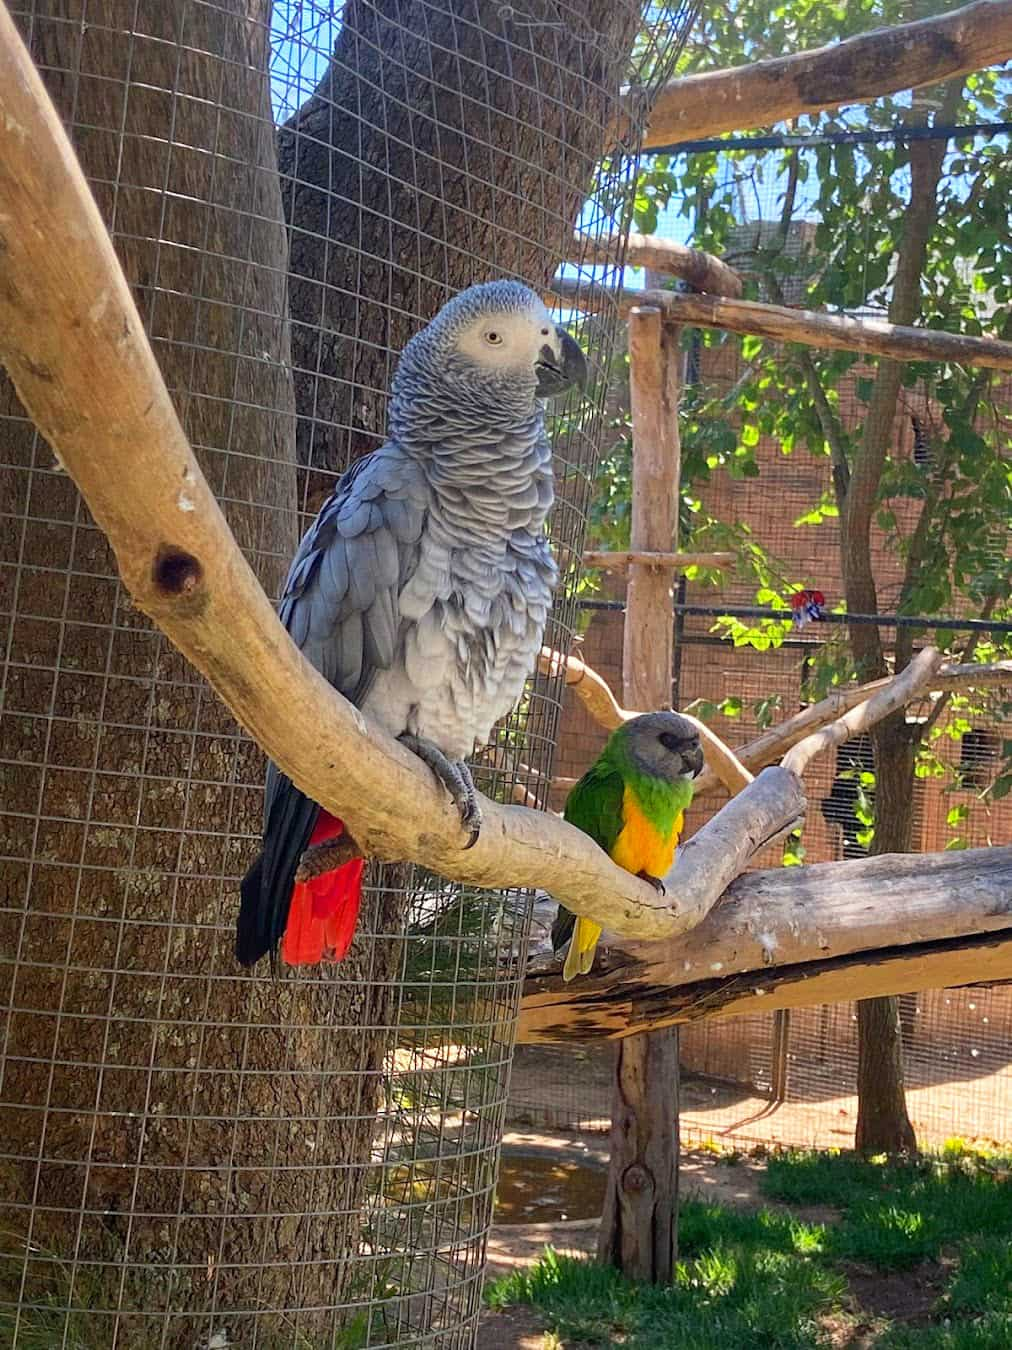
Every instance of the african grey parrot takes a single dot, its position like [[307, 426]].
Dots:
[[422, 588]]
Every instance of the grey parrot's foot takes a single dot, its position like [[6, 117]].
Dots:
[[656, 882], [455, 776], [320, 858]]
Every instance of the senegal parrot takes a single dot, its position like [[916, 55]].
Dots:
[[631, 801], [421, 590]]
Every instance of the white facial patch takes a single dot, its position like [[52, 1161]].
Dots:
[[508, 341]]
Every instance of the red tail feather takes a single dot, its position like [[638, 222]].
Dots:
[[324, 910]]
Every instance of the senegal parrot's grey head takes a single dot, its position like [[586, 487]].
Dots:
[[663, 744], [494, 346]]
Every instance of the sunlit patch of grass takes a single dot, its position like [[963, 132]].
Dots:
[[767, 1279], [992, 1332], [896, 1214], [743, 1279]]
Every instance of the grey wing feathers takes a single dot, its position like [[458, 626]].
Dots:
[[340, 599]]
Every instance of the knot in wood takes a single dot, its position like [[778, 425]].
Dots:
[[176, 572], [637, 1179]]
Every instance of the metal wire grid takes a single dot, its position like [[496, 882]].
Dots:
[[791, 1078], [193, 1156]]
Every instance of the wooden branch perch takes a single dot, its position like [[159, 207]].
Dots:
[[699, 269], [773, 744], [857, 70], [72, 341], [839, 332], [798, 936], [889, 699]]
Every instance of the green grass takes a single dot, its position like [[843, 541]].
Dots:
[[895, 1215], [768, 1279], [743, 1280]]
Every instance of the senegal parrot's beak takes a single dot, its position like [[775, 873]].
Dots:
[[558, 373], [693, 759]]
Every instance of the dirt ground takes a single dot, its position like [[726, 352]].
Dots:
[[569, 1087]]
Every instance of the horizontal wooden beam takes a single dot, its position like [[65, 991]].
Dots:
[[857, 70], [787, 934], [678, 562], [948, 964], [840, 332], [701, 270]]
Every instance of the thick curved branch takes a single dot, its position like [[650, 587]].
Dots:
[[857, 70]]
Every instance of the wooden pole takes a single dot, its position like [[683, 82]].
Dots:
[[639, 1226]]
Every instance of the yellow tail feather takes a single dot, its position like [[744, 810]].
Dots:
[[580, 956]]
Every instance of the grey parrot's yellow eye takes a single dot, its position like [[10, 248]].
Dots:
[[494, 339]]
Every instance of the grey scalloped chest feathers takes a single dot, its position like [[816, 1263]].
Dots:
[[422, 590]]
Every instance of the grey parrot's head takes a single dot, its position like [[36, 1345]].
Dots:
[[493, 343], [662, 744]]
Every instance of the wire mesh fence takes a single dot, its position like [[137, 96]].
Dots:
[[192, 1155], [791, 1077]]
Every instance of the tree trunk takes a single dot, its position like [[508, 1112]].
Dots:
[[883, 1125], [202, 1139], [443, 146], [152, 1089]]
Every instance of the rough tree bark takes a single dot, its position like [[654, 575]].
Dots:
[[129, 778], [175, 1075], [119, 760], [883, 1124], [441, 147]]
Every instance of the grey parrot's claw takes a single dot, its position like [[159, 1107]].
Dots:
[[455, 776], [470, 818], [467, 805]]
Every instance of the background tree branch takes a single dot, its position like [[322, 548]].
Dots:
[[857, 70], [837, 332]]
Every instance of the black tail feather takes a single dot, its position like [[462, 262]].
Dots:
[[562, 928], [266, 889]]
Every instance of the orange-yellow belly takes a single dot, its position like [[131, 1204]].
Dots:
[[640, 846]]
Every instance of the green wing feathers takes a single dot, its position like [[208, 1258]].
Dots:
[[595, 807], [595, 804]]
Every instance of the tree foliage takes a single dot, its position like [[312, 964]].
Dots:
[[916, 231]]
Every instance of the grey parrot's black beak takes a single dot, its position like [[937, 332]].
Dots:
[[557, 374]]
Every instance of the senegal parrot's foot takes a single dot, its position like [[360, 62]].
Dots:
[[455, 776], [320, 858], [656, 882]]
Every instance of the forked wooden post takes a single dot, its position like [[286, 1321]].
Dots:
[[639, 1224]]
